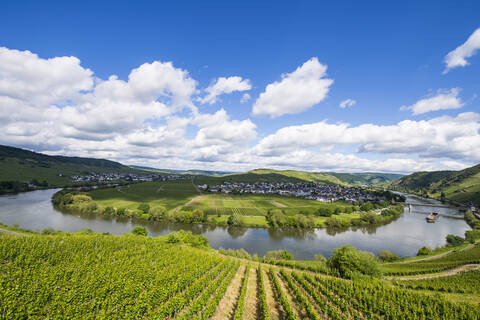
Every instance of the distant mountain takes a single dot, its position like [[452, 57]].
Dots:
[[333, 177], [191, 171], [23, 165], [462, 186]]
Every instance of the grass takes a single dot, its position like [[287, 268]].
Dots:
[[168, 194]]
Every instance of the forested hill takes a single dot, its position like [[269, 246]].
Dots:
[[24, 165], [332, 177], [462, 186]]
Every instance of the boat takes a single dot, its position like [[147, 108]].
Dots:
[[432, 217]]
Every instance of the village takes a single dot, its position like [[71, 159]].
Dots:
[[129, 177], [308, 190]]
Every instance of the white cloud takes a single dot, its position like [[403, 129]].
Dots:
[[443, 100], [443, 137], [245, 98], [458, 57], [225, 86], [58, 107], [347, 103], [296, 92]]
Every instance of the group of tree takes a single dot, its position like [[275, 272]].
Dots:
[[279, 219]]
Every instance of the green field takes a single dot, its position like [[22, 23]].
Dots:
[[181, 196], [168, 194]]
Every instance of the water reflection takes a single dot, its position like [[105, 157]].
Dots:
[[33, 210]]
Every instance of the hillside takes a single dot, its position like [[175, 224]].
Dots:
[[191, 171], [462, 186], [332, 177], [23, 165], [179, 276]]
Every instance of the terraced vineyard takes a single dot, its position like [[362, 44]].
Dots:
[[132, 277], [464, 282], [450, 261]]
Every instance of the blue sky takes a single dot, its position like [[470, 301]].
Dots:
[[383, 55]]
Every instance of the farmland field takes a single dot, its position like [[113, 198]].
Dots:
[[169, 194], [180, 195], [131, 277]]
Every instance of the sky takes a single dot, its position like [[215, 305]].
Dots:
[[346, 86]]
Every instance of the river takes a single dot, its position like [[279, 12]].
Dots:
[[404, 236]]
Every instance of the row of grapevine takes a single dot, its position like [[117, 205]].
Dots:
[[320, 299], [290, 314], [311, 313], [213, 303], [264, 313], [241, 299], [196, 308]]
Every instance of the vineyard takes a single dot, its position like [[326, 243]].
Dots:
[[450, 261], [131, 277], [464, 282]]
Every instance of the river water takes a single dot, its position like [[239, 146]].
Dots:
[[404, 236]]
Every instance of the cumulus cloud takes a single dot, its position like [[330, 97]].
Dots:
[[347, 103], [245, 98], [443, 100], [458, 57], [57, 106], [451, 137], [296, 92], [225, 86]]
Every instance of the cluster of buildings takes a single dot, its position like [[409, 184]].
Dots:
[[131, 177], [307, 190]]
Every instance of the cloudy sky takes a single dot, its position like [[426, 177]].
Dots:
[[338, 86]]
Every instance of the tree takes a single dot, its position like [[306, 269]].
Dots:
[[140, 231], [442, 197], [454, 240], [386, 255], [319, 258], [348, 262], [424, 251], [235, 220], [278, 255], [145, 207]]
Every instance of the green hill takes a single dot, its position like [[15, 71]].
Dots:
[[86, 276], [332, 177], [24, 165], [462, 186]]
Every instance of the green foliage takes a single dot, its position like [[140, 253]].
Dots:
[[139, 231], [319, 258], [424, 251], [262, 295], [241, 299], [188, 238], [278, 255], [453, 240], [83, 276], [236, 220], [387, 256], [290, 314], [472, 235], [348, 261], [145, 207]]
